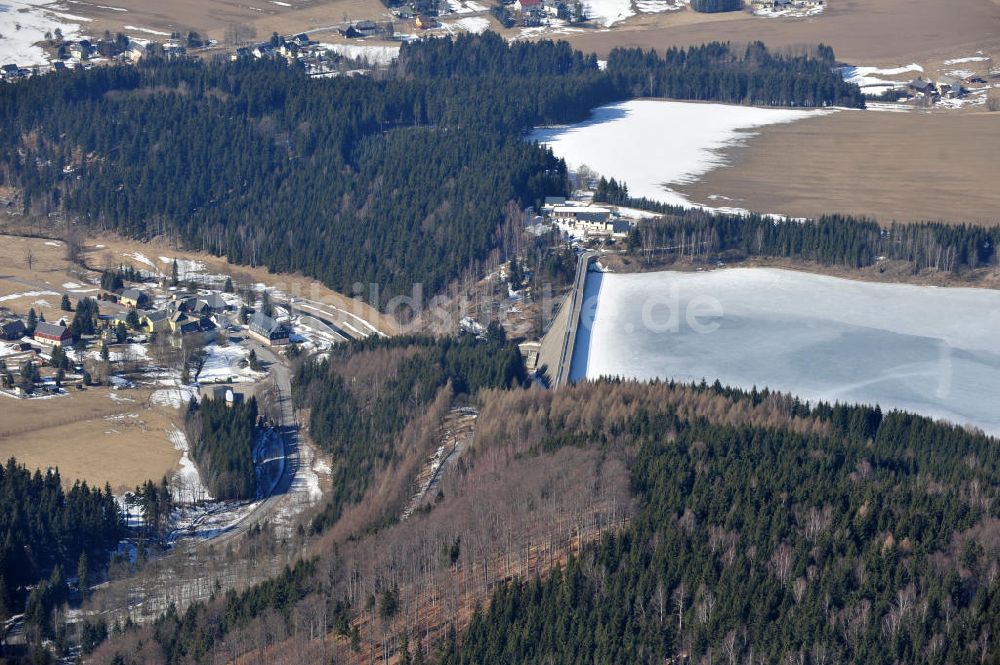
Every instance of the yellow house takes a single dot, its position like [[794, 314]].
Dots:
[[133, 298], [155, 321], [177, 320]]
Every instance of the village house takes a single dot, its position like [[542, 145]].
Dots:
[[12, 330], [269, 331], [424, 22], [215, 302], [591, 220], [52, 333], [137, 51], [133, 298], [156, 321], [263, 51], [233, 397], [951, 87], [921, 86], [525, 6], [580, 213]]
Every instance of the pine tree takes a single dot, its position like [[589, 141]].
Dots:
[[174, 276], [82, 574], [404, 650], [65, 304], [228, 288], [32, 321]]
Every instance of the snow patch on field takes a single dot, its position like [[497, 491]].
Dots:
[[141, 258], [148, 31], [187, 486], [608, 12], [657, 6], [122, 353], [27, 294], [959, 61], [174, 397], [476, 25], [802, 10], [377, 55], [23, 24], [929, 350], [226, 364], [654, 145], [869, 78]]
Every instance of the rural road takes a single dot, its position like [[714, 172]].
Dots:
[[575, 304], [283, 496]]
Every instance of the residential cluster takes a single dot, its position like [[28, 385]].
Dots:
[[946, 87], [533, 13], [582, 219], [44, 356], [84, 53]]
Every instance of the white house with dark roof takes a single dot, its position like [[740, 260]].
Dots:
[[269, 331]]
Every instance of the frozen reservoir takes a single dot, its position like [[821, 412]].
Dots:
[[934, 351]]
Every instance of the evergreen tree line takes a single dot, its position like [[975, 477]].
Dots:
[[711, 6], [43, 527], [863, 544], [723, 73], [404, 178], [360, 436], [224, 452], [831, 240]]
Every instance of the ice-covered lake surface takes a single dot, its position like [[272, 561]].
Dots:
[[655, 145], [934, 351]]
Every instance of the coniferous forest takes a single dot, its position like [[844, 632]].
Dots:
[[394, 180], [840, 240], [224, 451], [763, 526], [43, 527], [872, 540]]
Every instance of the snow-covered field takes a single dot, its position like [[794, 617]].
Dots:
[[186, 484], [870, 81], [27, 294], [474, 24], [929, 350], [378, 55], [24, 23], [608, 12], [798, 10], [654, 145], [225, 364]]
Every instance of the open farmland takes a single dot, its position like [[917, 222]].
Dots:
[[860, 31], [155, 20], [98, 435], [893, 166]]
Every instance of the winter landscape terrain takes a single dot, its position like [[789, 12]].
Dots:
[[656, 145], [929, 350]]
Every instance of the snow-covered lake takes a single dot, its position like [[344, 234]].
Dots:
[[656, 145], [934, 351]]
